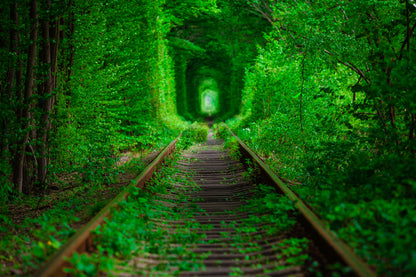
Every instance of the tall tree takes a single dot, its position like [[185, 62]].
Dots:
[[27, 119]]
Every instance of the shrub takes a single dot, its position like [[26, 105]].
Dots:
[[221, 131], [196, 132]]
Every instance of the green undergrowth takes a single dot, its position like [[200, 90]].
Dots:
[[26, 245], [274, 210], [275, 215], [230, 143], [136, 230], [195, 133], [221, 131], [364, 194], [32, 229]]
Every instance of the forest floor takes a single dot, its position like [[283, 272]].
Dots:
[[32, 229]]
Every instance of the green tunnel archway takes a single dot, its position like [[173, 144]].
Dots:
[[209, 102], [203, 90], [214, 50]]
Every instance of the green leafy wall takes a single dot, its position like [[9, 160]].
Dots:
[[122, 91], [329, 104]]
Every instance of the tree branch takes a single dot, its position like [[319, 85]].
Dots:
[[406, 41], [350, 66]]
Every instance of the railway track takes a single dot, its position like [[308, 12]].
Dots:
[[217, 216]]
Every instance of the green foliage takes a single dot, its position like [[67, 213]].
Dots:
[[233, 147], [141, 235], [275, 210], [274, 214], [43, 236], [195, 133], [357, 222], [89, 265], [321, 104], [328, 98], [27, 243], [292, 250], [221, 131], [121, 90], [228, 34], [6, 187]]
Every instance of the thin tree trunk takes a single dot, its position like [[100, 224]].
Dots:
[[55, 39], [18, 109], [46, 100], [28, 92]]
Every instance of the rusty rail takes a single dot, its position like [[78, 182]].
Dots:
[[82, 241], [333, 248]]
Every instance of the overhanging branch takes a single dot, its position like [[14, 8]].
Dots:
[[350, 65]]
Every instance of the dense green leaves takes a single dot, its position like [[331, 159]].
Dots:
[[329, 103]]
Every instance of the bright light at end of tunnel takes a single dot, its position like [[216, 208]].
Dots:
[[209, 102]]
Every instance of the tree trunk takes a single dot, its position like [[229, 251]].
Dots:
[[45, 103], [55, 40], [28, 92]]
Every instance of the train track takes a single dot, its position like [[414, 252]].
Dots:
[[238, 219]]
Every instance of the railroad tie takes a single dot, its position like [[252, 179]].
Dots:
[[223, 192]]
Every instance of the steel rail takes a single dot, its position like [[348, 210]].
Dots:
[[333, 248], [82, 241]]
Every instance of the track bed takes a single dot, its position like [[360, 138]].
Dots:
[[205, 213], [219, 211]]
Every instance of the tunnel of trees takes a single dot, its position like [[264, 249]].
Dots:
[[324, 90]]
